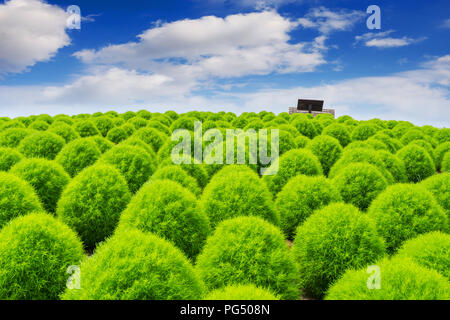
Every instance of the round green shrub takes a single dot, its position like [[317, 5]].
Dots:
[[159, 126], [401, 279], [427, 146], [194, 169], [17, 198], [305, 127], [443, 135], [35, 252], [364, 131], [144, 114], [46, 177], [11, 138], [430, 250], [136, 142], [237, 191], [104, 124], [44, 117], [413, 134], [134, 265], [177, 174], [404, 211], [103, 144], [339, 132], [241, 292], [92, 202], [300, 197], [301, 141], [367, 144], [392, 144], [165, 208], [446, 163], [77, 155], [39, 125], [11, 124], [8, 158], [41, 145], [439, 186], [64, 131], [129, 129], [86, 128], [128, 115], [439, 152], [63, 118], [327, 149], [152, 137], [117, 135], [359, 184], [183, 122], [361, 155], [418, 163], [289, 165], [138, 122], [332, 240], [133, 162], [248, 250]]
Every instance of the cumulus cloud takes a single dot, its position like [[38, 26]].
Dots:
[[383, 40], [326, 20], [445, 23], [421, 96], [237, 45], [30, 31]]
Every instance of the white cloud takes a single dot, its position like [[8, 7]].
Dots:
[[383, 40], [326, 20], [237, 45], [30, 31], [256, 4], [421, 96], [446, 24]]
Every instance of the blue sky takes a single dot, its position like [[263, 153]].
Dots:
[[226, 55]]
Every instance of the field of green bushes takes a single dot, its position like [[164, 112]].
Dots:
[[99, 194]]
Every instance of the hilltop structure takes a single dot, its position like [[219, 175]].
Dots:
[[314, 107]]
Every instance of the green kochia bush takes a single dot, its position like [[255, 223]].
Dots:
[[47, 178], [39, 125], [401, 279], [86, 128], [364, 131], [418, 163], [167, 209], [17, 198], [300, 197], [117, 135], [339, 132], [13, 136], [430, 250], [194, 169], [177, 174], [446, 162], [77, 155], [35, 252], [237, 191], [248, 250], [439, 186], [8, 158], [152, 137], [289, 165], [41, 145], [136, 266], [404, 211], [92, 202], [332, 240], [361, 155], [133, 162], [394, 165], [327, 149], [64, 131], [359, 184], [440, 152], [241, 292]]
